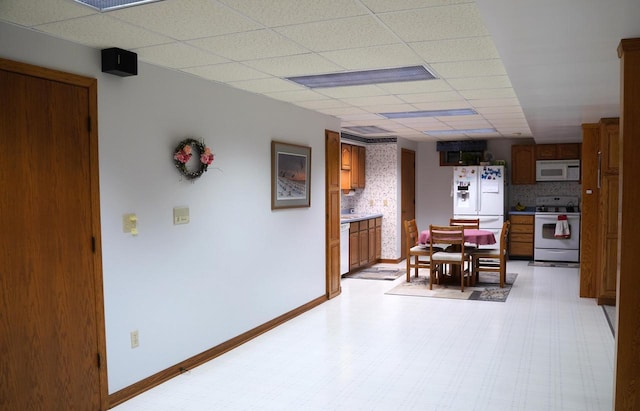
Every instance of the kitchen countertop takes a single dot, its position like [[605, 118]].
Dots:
[[526, 211], [348, 218]]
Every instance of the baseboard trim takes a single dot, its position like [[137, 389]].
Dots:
[[390, 260], [141, 386]]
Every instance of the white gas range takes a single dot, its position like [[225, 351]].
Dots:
[[557, 229]]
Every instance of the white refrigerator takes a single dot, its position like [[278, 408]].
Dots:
[[480, 192]]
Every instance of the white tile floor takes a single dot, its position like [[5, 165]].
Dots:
[[543, 349]]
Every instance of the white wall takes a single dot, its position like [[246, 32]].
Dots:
[[434, 204], [237, 264]]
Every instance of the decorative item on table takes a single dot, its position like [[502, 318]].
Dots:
[[185, 151]]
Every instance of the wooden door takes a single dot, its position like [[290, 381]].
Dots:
[[590, 217], [51, 309], [408, 194], [608, 211], [332, 229]]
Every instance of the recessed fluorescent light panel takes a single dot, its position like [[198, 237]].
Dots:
[[108, 5], [431, 113], [366, 129], [359, 78], [465, 131]]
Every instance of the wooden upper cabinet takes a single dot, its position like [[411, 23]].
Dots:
[[569, 151], [346, 157], [609, 145], [523, 164], [566, 151], [362, 156], [546, 151]]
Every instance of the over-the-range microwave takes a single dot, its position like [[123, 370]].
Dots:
[[558, 170]]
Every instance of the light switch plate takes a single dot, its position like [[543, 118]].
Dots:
[[180, 215], [130, 224]]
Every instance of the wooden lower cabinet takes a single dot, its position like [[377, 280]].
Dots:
[[521, 235], [365, 243]]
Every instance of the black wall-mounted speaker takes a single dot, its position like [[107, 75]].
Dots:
[[119, 62]]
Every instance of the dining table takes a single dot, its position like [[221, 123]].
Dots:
[[471, 235]]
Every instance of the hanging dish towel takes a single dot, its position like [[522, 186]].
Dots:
[[562, 227]]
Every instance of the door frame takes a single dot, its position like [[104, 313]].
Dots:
[[91, 85]]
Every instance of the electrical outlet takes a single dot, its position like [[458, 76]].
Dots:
[[135, 339]]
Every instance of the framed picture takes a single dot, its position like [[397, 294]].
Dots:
[[290, 175]]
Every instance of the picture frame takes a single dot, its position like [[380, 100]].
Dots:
[[290, 175]]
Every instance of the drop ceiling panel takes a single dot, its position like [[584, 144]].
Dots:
[[266, 85], [177, 55], [474, 82], [226, 72], [367, 102], [431, 97], [387, 56], [380, 6], [102, 31], [341, 34], [352, 91], [295, 95], [186, 19], [436, 23], [250, 45], [299, 65], [409, 87], [476, 68], [341, 111], [288, 12], [471, 48], [321, 104], [364, 119], [33, 12], [444, 105], [498, 102], [488, 93]]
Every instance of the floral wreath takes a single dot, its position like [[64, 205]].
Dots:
[[183, 154]]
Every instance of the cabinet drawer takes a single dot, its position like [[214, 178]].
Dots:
[[364, 225], [523, 249], [379, 222], [520, 228], [372, 223], [521, 238], [521, 219]]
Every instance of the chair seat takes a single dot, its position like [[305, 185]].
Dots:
[[447, 256], [486, 253]]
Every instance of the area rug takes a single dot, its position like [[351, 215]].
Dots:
[[486, 289], [553, 264], [376, 273]]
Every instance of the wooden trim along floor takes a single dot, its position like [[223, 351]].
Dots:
[[141, 386]]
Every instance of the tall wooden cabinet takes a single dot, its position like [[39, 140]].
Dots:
[[599, 219]]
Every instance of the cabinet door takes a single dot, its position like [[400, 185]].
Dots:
[[346, 157], [372, 244], [354, 250], [608, 239], [378, 238], [546, 151], [609, 145], [523, 165], [362, 157], [570, 151], [364, 247], [355, 166]]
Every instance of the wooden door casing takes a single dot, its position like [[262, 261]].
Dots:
[[408, 193], [332, 229], [52, 313]]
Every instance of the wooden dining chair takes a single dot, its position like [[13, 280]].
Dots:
[[467, 223], [417, 255], [453, 255], [492, 260]]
